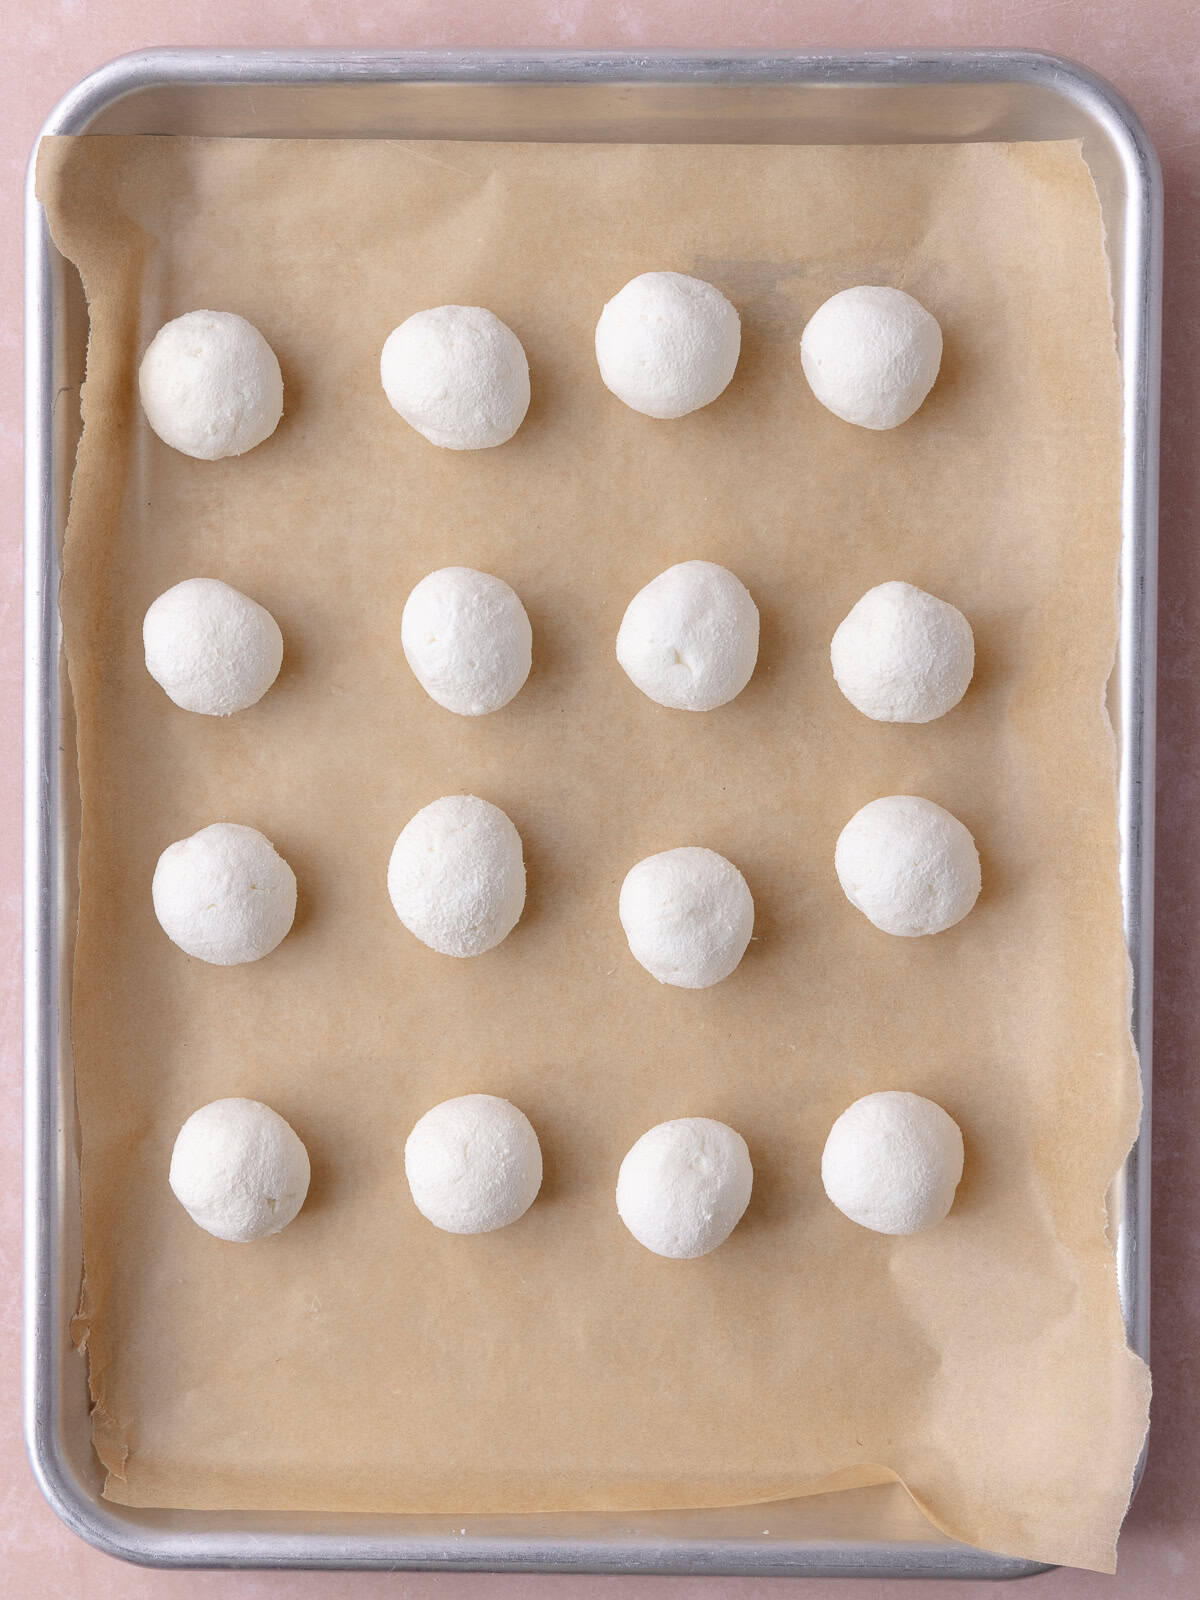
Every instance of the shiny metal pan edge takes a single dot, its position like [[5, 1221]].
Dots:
[[743, 97]]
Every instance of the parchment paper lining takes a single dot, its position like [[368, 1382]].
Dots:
[[360, 1360]]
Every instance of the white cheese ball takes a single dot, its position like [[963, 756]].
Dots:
[[902, 655], [667, 344], [689, 639], [456, 877], [223, 895], [908, 865], [892, 1162], [210, 385], [688, 916], [239, 1170], [871, 355], [467, 638], [212, 648], [473, 1164], [458, 375], [684, 1186]]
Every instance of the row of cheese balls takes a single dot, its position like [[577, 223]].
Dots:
[[688, 640], [456, 880], [667, 345], [891, 1163]]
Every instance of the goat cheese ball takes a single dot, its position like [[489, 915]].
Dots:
[[456, 876], [689, 639], [212, 648], [908, 865], [239, 1170], [667, 344], [473, 1164], [458, 375], [892, 1162], [224, 895], [902, 655], [210, 385], [688, 916], [684, 1186], [467, 638], [871, 355]]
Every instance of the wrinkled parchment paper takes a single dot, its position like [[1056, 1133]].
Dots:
[[361, 1360]]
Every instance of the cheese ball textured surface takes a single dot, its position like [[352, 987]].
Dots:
[[212, 648], [684, 1186], [688, 915], [892, 1162], [458, 375], [689, 639], [473, 1164], [223, 895], [456, 877], [667, 344], [210, 385], [902, 655], [467, 638], [871, 355], [908, 865], [239, 1170]]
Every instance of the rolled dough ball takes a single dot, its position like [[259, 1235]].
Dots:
[[212, 648], [467, 638], [892, 1162], [688, 916], [210, 385], [223, 895], [239, 1170], [871, 355], [667, 344], [684, 1186], [689, 639], [473, 1164], [458, 376], [903, 656], [456, 877], [908, 865]]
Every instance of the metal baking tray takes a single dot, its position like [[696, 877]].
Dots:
[[792, 97]]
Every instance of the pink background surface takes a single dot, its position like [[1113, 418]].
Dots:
[[1151, 52]]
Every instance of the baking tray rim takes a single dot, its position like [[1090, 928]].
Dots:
[[1138, 315]]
